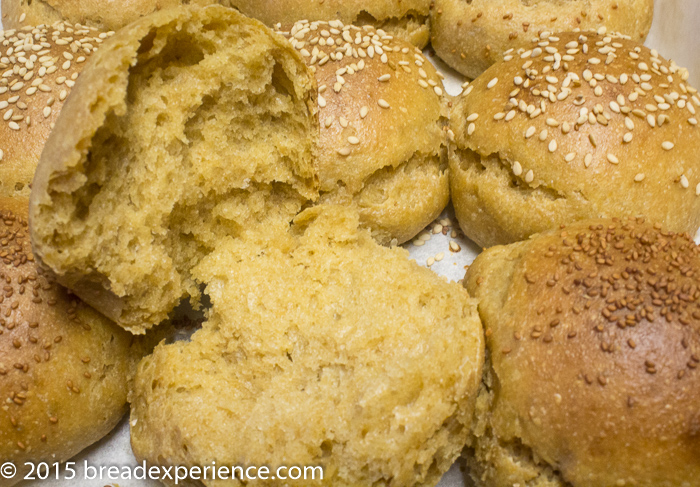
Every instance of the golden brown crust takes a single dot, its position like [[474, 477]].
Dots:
[[471, 35], [405, 19], [594, 339], [136, 184], [382, 113], [553, 134], [63, 366], [112, 15], [40, 75]]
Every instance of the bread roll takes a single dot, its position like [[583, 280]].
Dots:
[[63, 366], [383, 117], [188, 126], [593, 334], [312, 357], [574, 126], [39, 66], [471, 36], [110, 15], [405, 19]]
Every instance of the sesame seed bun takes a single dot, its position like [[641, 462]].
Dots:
[[370, 373], [63, 366], [470, 36], [576, 126], [406, 19], [167, 148], [382, 114], [39, 66], [111, 15], [593, 333]]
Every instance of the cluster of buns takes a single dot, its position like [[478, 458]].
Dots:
[[267, 177]]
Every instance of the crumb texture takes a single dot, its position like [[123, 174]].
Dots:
[[386, 359], [195, 123]]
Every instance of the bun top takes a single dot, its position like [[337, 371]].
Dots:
[[605, 111], [111, 15], [39, 67], [406, 17], [63, 367], [380, 100], [594, 332]]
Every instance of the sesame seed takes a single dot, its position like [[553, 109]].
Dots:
[[321, 101], [639, 177], [384, 77], [552, 145], [627, 138], [472, 117], [438, 91], [684, 181], [363, 111], [587, 160], [344, 151], [530, 176], [383, 103], [353, 140], [471, 128], [492, 83], [612, 159], [570, 156], [47, 112], [517, 168], [14, 125], [530, 132], [667, 145], [439, 256]]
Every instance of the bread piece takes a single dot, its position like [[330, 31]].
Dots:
[[187, 126], [383, 114], [406, 20], [576, 126], [593, 334], [111, 15], [471, 35], [63, 366], [312, 357], [40, 74]]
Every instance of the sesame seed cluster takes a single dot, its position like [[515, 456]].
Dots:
[[594, 334], [571, 90], [41, 60], [611, 280], [41, 324], [352, 49], [470, 36]]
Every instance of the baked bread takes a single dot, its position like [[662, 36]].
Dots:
[[593, 339], [383, 118], [576, 126], [471, 35], [63, 366], [40, 73], [404, 19], [310, 357], [111, 15], [187, 126]]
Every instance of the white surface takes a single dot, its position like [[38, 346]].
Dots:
[[674, 34]]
